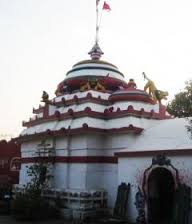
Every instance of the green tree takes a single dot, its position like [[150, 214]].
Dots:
[[40, 177], [29, 204], [181, 105]]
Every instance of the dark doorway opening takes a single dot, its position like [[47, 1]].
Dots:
[[161, 191]]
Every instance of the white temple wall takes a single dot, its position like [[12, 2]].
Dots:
[[86, 152], [95, 141], [77, 175], [130, 170], [82, 95], [28, 149], [73, 142], [119, 141], [95, 72], [80, 145], [52, 109], [71, 152], [165, 134], [30, 145], [103, 176], [136, 105], [81, 107], [61, 142], [61, 152], [87, 176], [26, 153], [184, 166], [70, 175], [101, 152], [95, 178], [60, 175], [98, 145], [110, 182], [23, 176], [126, 121]]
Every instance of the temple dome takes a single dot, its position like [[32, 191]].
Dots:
[[93, 71], [88, 70], [94, 68]]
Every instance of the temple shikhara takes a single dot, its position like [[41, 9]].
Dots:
[[101, 130]]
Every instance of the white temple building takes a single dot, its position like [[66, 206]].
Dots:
[[99, 131]]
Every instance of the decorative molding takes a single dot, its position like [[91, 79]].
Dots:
[[147, 153], [107, 114], [38, 110], [83, 130], [95, 61], [100, 67], [72, 159], [131, 97], [161, 160]]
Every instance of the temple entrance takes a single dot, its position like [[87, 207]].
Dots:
[[161, 193], [162, 198]]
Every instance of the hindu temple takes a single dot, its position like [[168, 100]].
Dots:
[[100, 131]]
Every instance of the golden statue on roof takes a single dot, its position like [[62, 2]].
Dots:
[[155, 94], [92, 84]]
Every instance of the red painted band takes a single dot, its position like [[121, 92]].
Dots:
[[167, 152], [72, 159], [83, 130]]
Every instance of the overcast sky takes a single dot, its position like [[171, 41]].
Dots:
[[40, 40]]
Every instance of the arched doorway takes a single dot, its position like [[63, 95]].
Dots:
[[160, 196]]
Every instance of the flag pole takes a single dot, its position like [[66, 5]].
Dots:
[[105, 7], [100, 19], [97, 20]]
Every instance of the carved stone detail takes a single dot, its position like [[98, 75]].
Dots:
[[161, 160], [140, 205]]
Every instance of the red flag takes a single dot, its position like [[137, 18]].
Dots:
[[106, 6]]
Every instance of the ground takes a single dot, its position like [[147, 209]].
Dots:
[[9, 220]]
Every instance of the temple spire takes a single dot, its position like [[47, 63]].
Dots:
[[96, 51]]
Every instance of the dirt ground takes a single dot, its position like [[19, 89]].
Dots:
[[10, 220]]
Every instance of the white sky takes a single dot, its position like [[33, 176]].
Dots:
[[40, 40]]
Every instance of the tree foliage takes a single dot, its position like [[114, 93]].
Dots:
[[29, 204], [181, 105], [189, 127], [40, 177]]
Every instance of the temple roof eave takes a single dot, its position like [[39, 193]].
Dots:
[[76, 131]]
